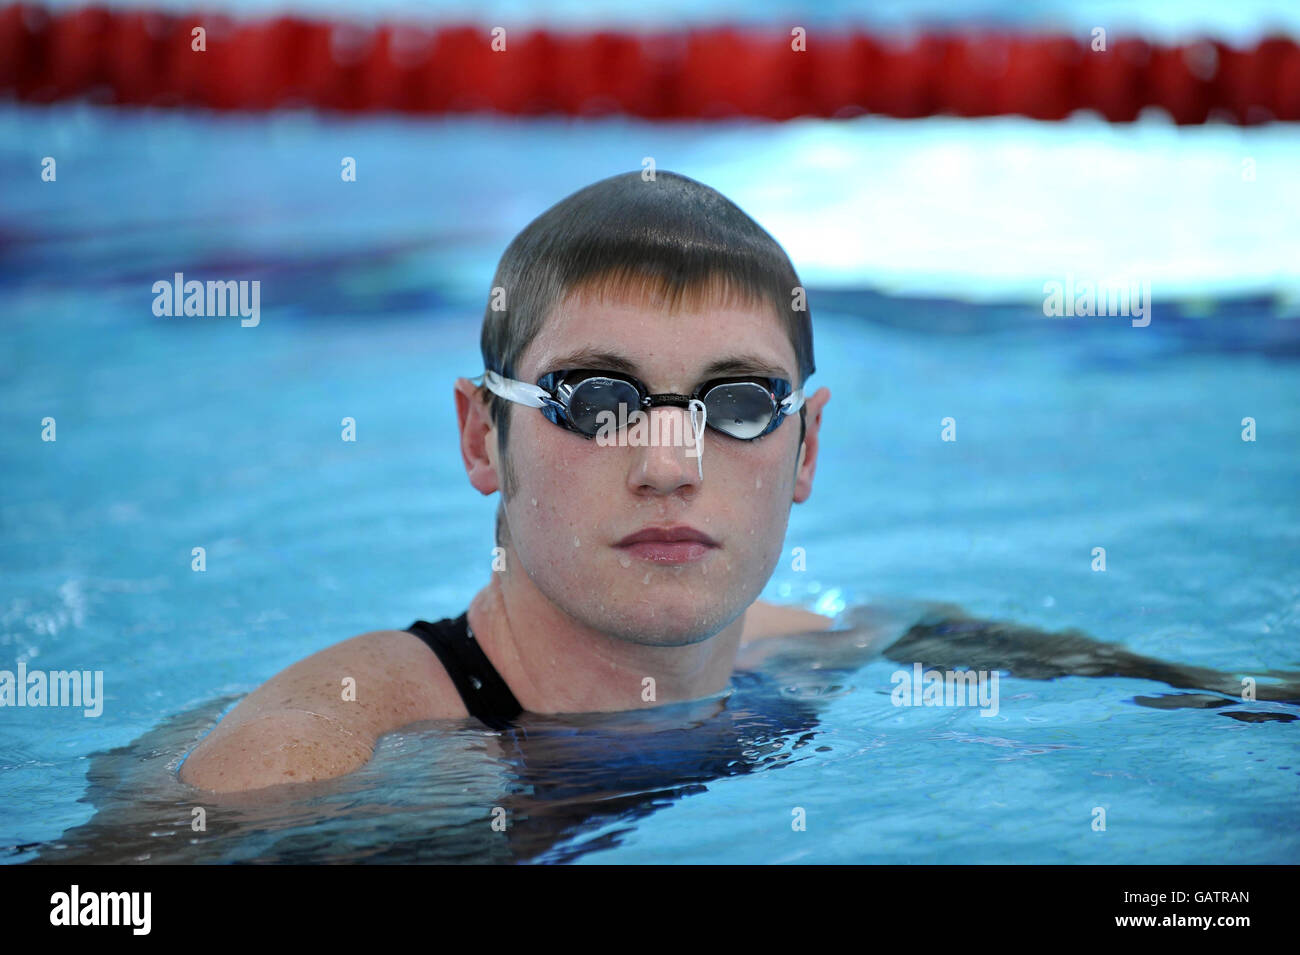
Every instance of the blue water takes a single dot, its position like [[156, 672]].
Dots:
[[176, 433]]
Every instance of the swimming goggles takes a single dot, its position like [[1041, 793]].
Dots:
[[585, 400]]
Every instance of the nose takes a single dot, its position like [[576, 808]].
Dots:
[[666, 461]]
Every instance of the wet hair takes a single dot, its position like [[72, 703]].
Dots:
[[670, 237]]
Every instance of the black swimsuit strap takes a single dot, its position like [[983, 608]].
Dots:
[[486, 695]]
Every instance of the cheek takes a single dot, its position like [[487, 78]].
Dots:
[[754, 487], [560, 476]]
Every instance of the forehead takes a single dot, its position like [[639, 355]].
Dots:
[[658, 339]]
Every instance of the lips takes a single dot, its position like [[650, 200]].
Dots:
[[675, 544], [676, 533]]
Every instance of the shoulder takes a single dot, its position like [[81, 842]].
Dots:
[[764, 620], [382, 676], [320, 717]]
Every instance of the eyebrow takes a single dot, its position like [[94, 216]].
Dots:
[[591, 358], [745, 365], [731, 366]]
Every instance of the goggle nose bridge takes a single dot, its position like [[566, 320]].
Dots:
[[666, 399]]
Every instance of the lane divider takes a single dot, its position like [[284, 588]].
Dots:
[[134, 57]]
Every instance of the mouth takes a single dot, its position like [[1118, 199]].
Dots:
[[675, 544]]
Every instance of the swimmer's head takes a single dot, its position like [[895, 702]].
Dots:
[[671, 282]]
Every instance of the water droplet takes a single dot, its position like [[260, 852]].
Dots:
[[758, 482], [576, 542], [534, 502], [625, 561], [647, 578]]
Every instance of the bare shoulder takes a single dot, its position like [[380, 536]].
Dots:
[[321, 716], [375, 679], [764, 620]]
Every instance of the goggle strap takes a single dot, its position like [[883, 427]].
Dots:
[[698, 408], [519, 392]]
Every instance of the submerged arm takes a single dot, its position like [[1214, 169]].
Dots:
[[941, 636]]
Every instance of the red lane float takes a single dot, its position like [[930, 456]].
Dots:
[[134, 57]]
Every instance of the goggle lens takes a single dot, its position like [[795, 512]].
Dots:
[[589, 397], [742, 409]]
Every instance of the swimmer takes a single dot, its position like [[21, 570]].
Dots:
[[627, 572]]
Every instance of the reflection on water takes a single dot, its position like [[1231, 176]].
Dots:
[[433, 789]]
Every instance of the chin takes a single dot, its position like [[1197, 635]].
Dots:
[[672, 621]]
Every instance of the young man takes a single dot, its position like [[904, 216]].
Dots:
[[628, 565]]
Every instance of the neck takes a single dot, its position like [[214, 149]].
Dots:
[[554, 664]]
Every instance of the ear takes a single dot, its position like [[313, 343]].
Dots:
[[803, 475], [478, 437]]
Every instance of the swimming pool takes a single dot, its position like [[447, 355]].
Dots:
[[176, 433]]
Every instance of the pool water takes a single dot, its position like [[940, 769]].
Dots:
[[176, 433]]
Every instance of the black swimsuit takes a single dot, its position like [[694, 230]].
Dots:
[[486, 695]]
